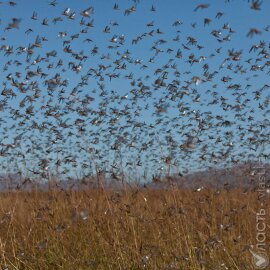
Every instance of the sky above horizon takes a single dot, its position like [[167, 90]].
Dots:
[[206, 113]]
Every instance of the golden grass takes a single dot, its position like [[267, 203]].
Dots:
[[135, 229]]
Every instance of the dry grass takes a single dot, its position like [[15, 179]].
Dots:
[[143, 229]]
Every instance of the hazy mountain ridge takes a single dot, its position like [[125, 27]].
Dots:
[[245, 176]]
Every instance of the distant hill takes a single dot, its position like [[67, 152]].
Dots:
[[245, 175]]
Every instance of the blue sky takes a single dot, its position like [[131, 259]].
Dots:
[[237, 14]]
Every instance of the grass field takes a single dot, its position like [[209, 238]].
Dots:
[[132, 229]]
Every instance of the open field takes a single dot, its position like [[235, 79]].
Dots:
[[132, 229], [134, 135]]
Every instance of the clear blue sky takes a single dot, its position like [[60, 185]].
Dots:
[[237, 14]]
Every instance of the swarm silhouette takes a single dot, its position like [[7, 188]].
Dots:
[[82, 96]]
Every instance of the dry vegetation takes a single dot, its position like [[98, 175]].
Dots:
[[135, 229]]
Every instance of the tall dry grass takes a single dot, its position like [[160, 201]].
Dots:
[[134, 229]]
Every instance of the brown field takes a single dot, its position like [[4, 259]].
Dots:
[[132, 229]]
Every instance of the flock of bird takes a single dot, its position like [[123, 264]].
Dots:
[[131, 96]]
